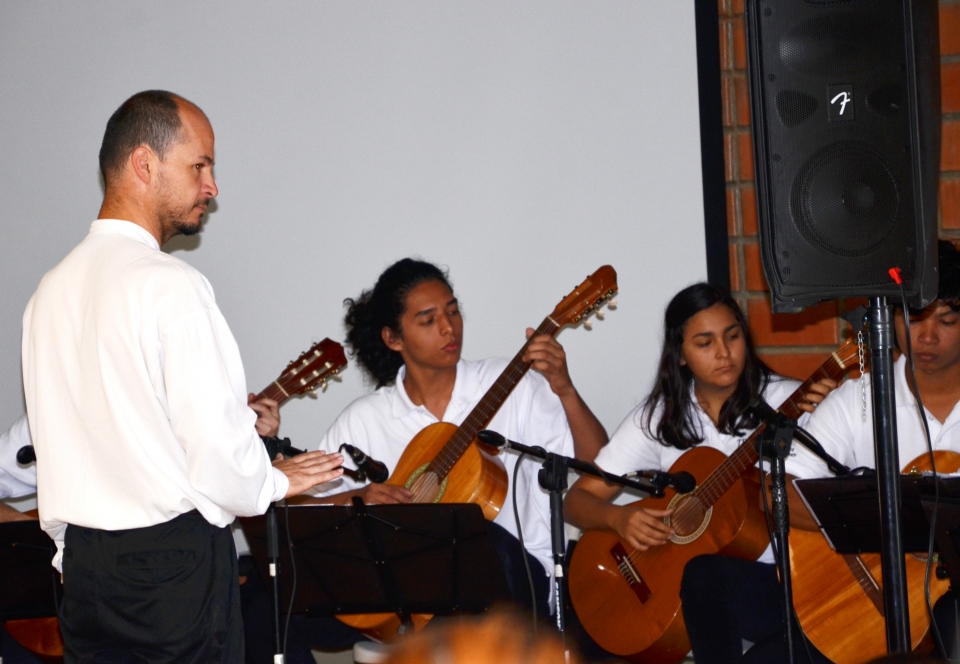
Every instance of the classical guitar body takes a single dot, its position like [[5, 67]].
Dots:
[[839, 597], [477, 477], [630, 603]]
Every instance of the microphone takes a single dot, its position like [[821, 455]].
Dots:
[[493, 439], [765, 411], [26, 454], [682, 481], [375, 471]]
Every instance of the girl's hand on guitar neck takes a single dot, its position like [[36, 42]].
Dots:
[[641, 527], [818, 392], [546, 355], [268, 414]]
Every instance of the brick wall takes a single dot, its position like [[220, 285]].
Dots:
[[796, 344]]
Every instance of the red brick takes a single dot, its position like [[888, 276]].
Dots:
[[731, 212], [795, 365], [726, 99], [737, 7], [742, 100], [950, 29], [813, 326], [950, 152], [739, 45], [734, 269], [950, 203], [729, 156], [726, 51], [745, 147], [753, 268], [722, 7], [748, 210], [950, 87]]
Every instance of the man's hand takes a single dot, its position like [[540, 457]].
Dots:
[[385, 494], [308, 470], [818, 392], [268, 414], [546, 355], [642, 527]]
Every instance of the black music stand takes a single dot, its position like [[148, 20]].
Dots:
[[31, 586], [399, 559], [847, 510]]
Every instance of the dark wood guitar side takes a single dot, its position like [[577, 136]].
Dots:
[[445, 463], [629, 600], [839, 597]]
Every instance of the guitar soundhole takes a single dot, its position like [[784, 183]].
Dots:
[[689, 518], [426, 486]]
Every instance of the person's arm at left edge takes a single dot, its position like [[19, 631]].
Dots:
[[547, 356]]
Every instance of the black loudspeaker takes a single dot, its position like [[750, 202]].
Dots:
[[845, 97]]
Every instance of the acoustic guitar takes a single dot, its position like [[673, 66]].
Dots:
[[323, 361], [445, 463], [629, 600], [839, 597]]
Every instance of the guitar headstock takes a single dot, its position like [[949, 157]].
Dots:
[[587, 298], [323, 361]]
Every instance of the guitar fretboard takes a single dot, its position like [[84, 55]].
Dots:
[[488, 406], [745, 456]]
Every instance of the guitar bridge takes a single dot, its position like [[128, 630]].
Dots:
[[630, 573]]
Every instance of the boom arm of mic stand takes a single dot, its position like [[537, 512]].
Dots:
[[803, 437], [645, 486]]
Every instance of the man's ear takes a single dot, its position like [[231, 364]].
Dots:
[[391, 339], [144, 161]]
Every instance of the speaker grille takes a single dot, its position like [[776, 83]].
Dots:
[[845, 199], [833, 45], [795, 107]]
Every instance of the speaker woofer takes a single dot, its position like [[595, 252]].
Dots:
[[844, 199]]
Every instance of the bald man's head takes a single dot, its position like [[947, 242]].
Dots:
[[148, 118]]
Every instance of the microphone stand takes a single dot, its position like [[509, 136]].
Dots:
[[553, 478], [774, 445], [273, 554]]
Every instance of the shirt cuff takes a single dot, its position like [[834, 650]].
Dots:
[[280, 485]]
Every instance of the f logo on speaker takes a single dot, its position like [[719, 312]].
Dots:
[[841, 103]]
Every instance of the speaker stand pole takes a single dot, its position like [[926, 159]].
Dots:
[[880, 315]]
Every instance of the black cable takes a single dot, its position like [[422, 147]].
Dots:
[[293, 567], [523, 549], [933, 466]]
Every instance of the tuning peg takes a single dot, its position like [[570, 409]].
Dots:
[[612, 304], [588, 325], [600, 315]]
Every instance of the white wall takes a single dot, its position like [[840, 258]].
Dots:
[[522, 144]]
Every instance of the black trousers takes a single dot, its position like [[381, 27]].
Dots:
[[726, 600], [165, 593]]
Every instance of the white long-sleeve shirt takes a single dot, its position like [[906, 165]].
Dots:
[[135, 392]]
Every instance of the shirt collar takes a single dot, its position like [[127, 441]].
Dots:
[[127, 228], [466, 392]]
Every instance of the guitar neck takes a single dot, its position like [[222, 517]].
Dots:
[[746, 456], [488, 406], [273, 391]]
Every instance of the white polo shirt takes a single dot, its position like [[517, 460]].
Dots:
[[844, 426]]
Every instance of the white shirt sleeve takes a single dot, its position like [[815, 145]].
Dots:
[[226, 461], [16, 480], [630, 448]]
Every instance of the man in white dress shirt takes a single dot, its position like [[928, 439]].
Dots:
[[137, 403]]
